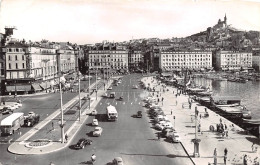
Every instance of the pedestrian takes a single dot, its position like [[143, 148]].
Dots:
[[215, 156], [171, 112], [66, 138], [253, 147], [220, 120], [206, 110], [52, 125], [162, 99], [159, 136], [93, 158], [200, 116], [158, 100], [225, 151], [172, 92], [225, 126], [245, 160], [227, 133]]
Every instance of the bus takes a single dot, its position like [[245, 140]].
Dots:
[[12, 123], [112, 113]]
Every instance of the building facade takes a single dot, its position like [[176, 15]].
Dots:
[[34, 68], [256, 59], [135, 59], [112, 60], [176, 60], [232, 60]]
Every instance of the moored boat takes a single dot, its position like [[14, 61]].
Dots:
[[229, 107]]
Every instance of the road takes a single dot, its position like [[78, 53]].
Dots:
[[133, 139]]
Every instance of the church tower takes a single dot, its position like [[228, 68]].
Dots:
[[225, 20]]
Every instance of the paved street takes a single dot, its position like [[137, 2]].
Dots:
[[133, 139]]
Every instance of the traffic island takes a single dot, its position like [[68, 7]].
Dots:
[[40, 143]]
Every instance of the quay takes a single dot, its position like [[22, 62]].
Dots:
[[238, 143]]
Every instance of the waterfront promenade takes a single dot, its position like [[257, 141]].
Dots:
[[238, 143]]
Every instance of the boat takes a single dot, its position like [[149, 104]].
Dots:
[[230, 107]]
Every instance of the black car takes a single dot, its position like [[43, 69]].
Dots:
[[82, 143], [120, 98], [139, 114]]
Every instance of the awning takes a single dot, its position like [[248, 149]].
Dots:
[[36, 87], [18, 88], [45, 85]]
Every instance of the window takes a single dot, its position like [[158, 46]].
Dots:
[[17, 50], [10, 59], [23, 65], [15, 57], [16, 66], [10, 67], [22, 57]]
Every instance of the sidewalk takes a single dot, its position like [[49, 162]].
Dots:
[[237, 143], [21, 145]]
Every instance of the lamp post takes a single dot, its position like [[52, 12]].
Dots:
[[196, 141], [61, 108], [96, 82], [89, 82], [76, 53]]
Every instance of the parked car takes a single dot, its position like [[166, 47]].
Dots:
[[98, 78], [135, 87], [97, 131], [167, 131], [110, 88], [175, 137], [95, 122], [159, 126], [82, 143], [105, 95], [139, 114], [118, 161], [93, 112]]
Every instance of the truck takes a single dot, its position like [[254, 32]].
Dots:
[[31, 119], [12, 123]]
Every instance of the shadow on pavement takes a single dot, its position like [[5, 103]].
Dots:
[[101, 118], [169, 155], [86, 162]]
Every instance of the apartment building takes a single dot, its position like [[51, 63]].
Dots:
[[232, 60], [112, 59], [135, 58], [170, 60], [32, 68]]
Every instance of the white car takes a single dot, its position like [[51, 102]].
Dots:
[[93, 112], [175, 137], [95, 122], [105, 95], [97, 131], [110, 88], [18, 104], [98, 78]]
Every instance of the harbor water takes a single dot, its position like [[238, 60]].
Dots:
[[249, 92]]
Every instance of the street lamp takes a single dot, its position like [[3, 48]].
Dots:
[[196, 141], [76, 53], [61, 108]]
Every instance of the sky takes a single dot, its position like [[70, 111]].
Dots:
[[92, 21]]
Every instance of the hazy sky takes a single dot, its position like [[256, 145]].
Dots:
[[90, 21]]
